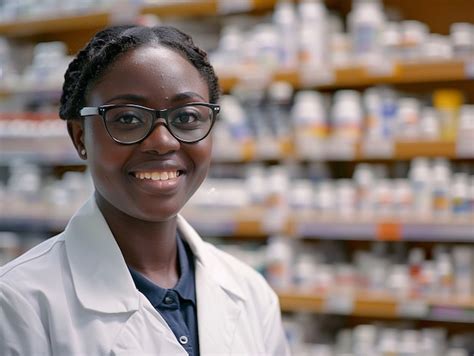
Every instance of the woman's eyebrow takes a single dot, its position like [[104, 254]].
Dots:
[[128, 97], [140, 98], [187, 96]]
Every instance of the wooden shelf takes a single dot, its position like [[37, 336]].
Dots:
[[404, 73], [331, 150], [380, 305], [311, 224], [355, 77], [100, 19], [250, 222], [41, 147]]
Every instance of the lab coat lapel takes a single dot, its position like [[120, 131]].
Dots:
[[218, 314], [219, 297]]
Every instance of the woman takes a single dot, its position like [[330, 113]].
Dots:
[[129, 275]]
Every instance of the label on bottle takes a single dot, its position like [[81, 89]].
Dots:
[[413, 308], [378, 148], [380, 66], [268, 148], [233, 151], [311, 148], [465, 147], [314, 74], [469, 68], [340, 148], [341, 303]]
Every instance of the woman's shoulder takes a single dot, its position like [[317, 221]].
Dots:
[[34, 266]]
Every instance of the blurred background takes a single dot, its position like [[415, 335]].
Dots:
[[343, 160]]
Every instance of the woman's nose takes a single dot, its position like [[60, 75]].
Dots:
[[160, 140]]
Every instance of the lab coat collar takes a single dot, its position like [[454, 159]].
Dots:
[[101, 277], [99, 272]]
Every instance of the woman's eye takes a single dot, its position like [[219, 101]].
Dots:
[[129, 119], [185, 118]]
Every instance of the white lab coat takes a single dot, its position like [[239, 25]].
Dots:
[[73, 295]]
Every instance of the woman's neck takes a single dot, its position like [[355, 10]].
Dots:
[[148, 247]]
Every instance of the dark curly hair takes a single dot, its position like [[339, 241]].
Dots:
[[107, 46]]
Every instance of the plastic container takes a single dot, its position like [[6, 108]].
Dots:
[[364, 182], [414, 34], [448, 103], [466, 123], [462, 39], [313, 33], [286, 22], [392, 40], [279, 262], [309, 115], [441, 188], [373, 108], [420, 179], [463, 261], [278, 109], [347, 115], [408, 118], [460, 195], [437, 47], [346, 198], [366, 24], [429, 127]]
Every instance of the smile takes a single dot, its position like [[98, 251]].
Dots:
[[162, 176]]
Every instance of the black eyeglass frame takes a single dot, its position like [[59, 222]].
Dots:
[[158, 114]]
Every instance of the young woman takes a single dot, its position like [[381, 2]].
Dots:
[[129, 276]]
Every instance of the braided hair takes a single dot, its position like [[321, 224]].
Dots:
[[107, 46]]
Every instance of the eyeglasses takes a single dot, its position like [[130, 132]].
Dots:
[[129, 123]]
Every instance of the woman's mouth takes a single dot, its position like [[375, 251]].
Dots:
[[158, 176]]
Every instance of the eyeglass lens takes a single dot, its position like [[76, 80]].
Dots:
[[130, 124]]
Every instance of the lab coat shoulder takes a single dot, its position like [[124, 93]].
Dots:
[[22, 286], [41, 308]]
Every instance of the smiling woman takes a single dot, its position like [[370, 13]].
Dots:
[[129, 275]]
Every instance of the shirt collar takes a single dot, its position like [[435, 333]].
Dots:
[[186, 287]]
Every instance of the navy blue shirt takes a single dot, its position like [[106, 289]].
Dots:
[[176, 305]]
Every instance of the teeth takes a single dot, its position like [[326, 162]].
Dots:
[[157, 175]]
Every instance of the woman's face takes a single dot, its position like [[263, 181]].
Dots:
[[158, 78]]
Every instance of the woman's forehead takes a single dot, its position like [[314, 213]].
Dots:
[[155, 72]]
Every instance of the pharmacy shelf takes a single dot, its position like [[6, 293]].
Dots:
[[99, 19], [37, 92], [311, 224], [455, 70], [256, 222], [32, 224], [343, 150], [380, 305], [58, 150], [355, 77]]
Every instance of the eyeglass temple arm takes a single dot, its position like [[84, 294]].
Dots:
[[89, 111]]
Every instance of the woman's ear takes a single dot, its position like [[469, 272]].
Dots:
[[75, 128]]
